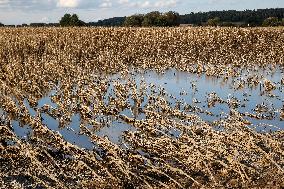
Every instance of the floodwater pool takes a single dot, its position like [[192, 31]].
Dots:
[[211, 98]]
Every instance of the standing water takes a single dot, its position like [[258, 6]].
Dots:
[[211, 98]]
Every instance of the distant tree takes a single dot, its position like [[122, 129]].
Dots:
[[227, 18], [52, 24], [172, 18], [161, 21], [152, 19], [37, 24], [282, 22], [115, 21], [1, 25], [65, 20], [25, 25], [238, 18], [134, 20], [271, 21], [213, 22], [71, 20], [74, 20]]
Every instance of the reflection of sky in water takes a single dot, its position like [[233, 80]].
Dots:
[[47, 100], [174, 83], [70, 132], [114, 131], [22, 131]]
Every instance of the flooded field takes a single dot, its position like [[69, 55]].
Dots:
[[212, 99], [142, 108]]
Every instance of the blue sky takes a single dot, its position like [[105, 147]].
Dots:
[[27, 11]]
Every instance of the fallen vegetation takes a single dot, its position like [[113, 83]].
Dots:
[[77, 64]]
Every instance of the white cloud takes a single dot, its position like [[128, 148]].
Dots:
[[68, 3], [169, 3], [140, 4], [106, 4], [145, 4], [84, 4], [149, 4], [4, 1], [123, 1]]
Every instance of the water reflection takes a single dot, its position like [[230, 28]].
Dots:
[[187, 92], [197, 88]]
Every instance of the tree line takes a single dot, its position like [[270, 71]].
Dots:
[[154, 18], [232, 17], [259, 17]]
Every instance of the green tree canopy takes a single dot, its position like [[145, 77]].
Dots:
[[65, 20], [271, 21], [151, 19], [74, 20], [172, 18], [71, 20], [154, 18], [134, 20]]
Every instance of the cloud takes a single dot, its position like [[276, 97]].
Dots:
[[145, 4], [44, 19], [4, 1], [33, 5], [123, 1], [68, 3], [106, 4], [38, 5], [169, 3], [149, 4]]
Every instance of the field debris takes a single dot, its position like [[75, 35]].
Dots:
[[88, 73]]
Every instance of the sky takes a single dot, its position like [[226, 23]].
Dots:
[[28, 11]]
